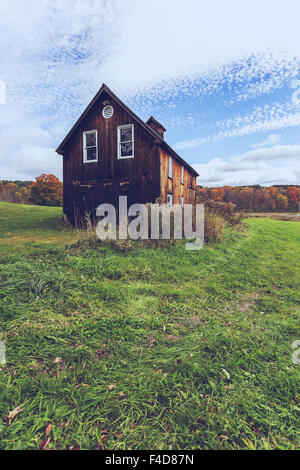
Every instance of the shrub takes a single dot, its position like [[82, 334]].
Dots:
[[226, 210], [213, 227]]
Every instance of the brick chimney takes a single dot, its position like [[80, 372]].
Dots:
[[156, 126]]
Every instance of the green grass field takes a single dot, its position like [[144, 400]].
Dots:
[[150, 348]]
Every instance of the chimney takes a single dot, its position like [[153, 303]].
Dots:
[[156, 126]]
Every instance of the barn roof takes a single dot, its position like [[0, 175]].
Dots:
[[160, 141], [152, 119]]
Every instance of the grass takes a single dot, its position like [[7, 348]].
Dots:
[[150, 348]]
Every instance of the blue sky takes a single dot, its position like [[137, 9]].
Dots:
[[223, 78]]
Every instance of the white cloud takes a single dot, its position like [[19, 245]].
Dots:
[[277, 165], [26, 152], [55, 55], [272, 139], [263, 119]]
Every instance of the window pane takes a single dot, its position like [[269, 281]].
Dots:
[[170, 173], [125, 134], [90, 140], [91, 154], [126, 150]]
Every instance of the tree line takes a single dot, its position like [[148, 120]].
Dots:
[[254, 198], [46, 190]]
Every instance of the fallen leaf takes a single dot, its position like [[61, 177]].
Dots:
[[122, 395], [104, 435], [151, 341], [57, 360], [48, 429], [14, 413], [102, 353], [43, 444], [110, 387], [255, 429]]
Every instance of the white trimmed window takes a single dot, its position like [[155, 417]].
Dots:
[[169, 200], [170, 170], [181, 201], [90, 146], [182, 174], [126, 141]]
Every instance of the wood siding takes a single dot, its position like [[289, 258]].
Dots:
[[173, 185], [86, 185]]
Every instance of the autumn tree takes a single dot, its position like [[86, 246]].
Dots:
[[293, 198], [246, 198], [282, 202], [46, 190], [202, 195], [217, 194]]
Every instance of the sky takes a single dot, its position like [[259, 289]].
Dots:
[[222, 77]]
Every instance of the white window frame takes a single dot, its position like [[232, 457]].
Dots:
[[181, 201], [169, 200], [119, 141], [85, 133], [170, 167], [182, 174]]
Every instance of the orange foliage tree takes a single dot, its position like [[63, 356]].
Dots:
[[217, 194], [46, 190], [253, 198]]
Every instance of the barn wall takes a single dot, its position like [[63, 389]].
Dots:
[[173, 185], [86, 185]]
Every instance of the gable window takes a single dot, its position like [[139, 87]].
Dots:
[[170, 170], [181, 201], [90, 146], [126, 141], [107, 111], [169, 200], [182, 174]]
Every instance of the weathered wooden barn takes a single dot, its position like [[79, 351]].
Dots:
[[111, 152]]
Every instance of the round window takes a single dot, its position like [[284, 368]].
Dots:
[[107, 112]]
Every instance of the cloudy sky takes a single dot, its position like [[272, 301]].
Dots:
[[223, 78]]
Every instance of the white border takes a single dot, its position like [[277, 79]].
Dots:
[[119, 142], [84, 148]]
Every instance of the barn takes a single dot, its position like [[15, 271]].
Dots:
[[111, 152]]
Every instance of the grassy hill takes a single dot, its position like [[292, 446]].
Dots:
[[148, 348]]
